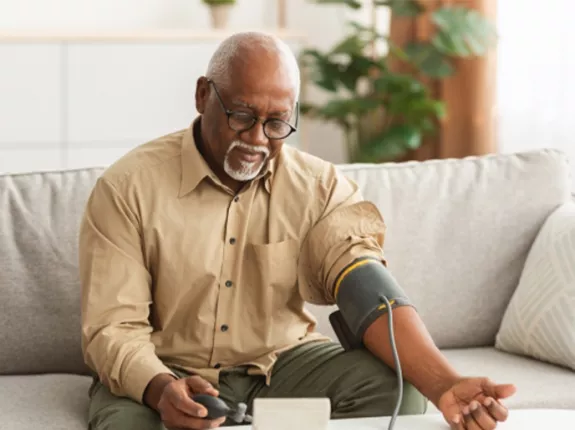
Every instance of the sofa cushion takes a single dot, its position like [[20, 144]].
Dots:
[[39, 287], [540, 319], [539, 385], [458, 232], [47, 402]]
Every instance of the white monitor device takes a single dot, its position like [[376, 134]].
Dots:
[[291, 414]]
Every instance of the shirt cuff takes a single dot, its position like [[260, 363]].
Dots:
[[140, 373]]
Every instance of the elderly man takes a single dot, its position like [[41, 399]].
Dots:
[[198, 251]]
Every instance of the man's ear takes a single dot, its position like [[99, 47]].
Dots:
[[202, 93]]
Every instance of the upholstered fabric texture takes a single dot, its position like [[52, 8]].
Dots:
[[39, 288], [540, 319], [47, 402], [539, 385], [458, 233]]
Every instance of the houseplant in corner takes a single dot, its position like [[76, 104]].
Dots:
[[220, 11], [385, 114]]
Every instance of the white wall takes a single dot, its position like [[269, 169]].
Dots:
[[536, 77], [322, 24]]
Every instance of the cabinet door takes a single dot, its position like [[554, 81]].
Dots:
[[133, 92], [14, 160], [30, 93], [30, 107], [82, 155]]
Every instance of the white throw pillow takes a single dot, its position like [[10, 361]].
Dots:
[[540, 319]]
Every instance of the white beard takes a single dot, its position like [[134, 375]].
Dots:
[[247, 171]]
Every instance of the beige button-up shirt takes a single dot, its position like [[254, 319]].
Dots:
[[177, 270]]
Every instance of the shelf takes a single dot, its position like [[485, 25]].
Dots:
[[178, 35]]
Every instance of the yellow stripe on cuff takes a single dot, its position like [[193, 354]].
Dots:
[[348, 271]]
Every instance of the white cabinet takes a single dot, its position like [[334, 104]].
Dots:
[[30, 95], [73, 102], [129, 92]]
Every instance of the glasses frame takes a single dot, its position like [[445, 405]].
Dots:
[[229, 113]]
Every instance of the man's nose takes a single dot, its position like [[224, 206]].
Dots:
[[256, 135]]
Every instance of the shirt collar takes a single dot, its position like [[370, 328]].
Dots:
[[195, 168]]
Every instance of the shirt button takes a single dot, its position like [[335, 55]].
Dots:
[[224, 327], [233, 240], [236, 199], [217, 366], [229, 284]]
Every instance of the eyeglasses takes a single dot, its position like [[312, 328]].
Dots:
[[274, 128]]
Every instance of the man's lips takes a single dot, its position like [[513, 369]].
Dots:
[[249, 156]]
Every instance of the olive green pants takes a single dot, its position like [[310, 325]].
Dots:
[[357, 383]]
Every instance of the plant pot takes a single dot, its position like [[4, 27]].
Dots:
[[220, 15]]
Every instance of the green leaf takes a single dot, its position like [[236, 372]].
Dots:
[[394, 83], [350, 45], [357, 67], [392, 142], [342, 108], [354, 4], [429, 60], [324, 73], [462, 32], [406, 8], [307, 108]]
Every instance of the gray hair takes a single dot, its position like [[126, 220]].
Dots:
[[230, 48]]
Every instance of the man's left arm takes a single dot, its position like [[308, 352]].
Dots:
[[345, 265]]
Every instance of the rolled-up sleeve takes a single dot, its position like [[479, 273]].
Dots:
[[349, 228], [116, 296]]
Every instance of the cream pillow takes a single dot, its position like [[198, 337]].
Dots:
[[540, 319]]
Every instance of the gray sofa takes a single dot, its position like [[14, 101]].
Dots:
[[458, 235]]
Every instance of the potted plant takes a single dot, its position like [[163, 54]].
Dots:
[[385, 114], [220, 11]]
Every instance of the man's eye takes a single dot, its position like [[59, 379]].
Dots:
[[277, 125], [242, 117]]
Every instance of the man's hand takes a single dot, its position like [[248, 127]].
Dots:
[[473, 404], [175, 404]]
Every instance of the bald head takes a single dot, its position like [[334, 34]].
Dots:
[[254, 55], [248, 105]]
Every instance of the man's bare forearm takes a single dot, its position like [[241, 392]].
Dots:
[[422, 364], [155, 389]]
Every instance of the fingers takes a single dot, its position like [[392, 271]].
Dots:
[[482, 416], [174, 418], [498, 391], [504, 390], [496, 409], [177, 395], [199, 385], [457, 423]]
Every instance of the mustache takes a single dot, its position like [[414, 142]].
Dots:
[[249, 148]]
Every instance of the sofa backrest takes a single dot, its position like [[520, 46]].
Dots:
[[458, 235], [40, 215]]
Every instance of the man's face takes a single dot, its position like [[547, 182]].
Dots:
[[245, 122]]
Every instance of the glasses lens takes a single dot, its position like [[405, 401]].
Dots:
[[277, 129], [240, 121]]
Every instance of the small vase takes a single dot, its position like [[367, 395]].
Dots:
[[220, 15]]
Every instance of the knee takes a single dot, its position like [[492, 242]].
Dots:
[[125, 418], [108, 412], [371, 388]]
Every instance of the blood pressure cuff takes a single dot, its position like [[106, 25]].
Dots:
[[359, 292]]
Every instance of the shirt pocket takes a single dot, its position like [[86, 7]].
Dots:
[[275, 264]]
